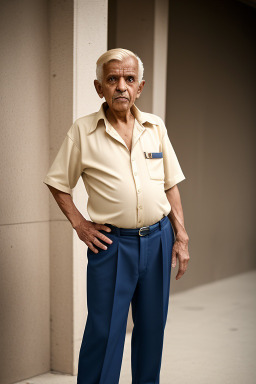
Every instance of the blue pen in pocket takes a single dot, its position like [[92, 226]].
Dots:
[[153, 155]]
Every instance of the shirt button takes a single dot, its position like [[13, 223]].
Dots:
[[135, 173], [140, 206], [139, 190]]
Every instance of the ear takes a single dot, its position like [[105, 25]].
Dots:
[[140, 89], [98, 88]]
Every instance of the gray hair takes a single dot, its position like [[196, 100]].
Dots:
[[117, 54]]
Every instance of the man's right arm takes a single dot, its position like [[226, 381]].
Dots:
[[87, 231]]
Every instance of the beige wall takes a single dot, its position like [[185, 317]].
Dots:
[[211, 121], [24, 231]]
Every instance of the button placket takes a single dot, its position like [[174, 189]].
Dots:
[[140, 129], [138, 191]]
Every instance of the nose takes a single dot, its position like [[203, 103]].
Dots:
[[121, 85]]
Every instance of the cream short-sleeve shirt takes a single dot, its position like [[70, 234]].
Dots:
[[126, 189]]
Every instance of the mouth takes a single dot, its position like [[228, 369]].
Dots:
[[121, 98]]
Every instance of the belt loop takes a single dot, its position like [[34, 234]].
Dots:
[[117, 229], [162, 222], [114, 229]]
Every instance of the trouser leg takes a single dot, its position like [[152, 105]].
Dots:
[[111, 280], [150, 305]]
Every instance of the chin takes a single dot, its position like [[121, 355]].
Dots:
[[121, 105]]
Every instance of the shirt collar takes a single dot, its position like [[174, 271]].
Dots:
[[142, 117]]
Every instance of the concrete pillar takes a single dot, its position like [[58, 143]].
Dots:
[[160, 57], [90, 41], [78, 38]]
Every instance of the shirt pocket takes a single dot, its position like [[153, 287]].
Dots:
[[155, 165]]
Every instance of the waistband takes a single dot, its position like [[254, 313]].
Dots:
[[143, 231]]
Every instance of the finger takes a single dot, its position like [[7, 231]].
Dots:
[[92, 248], [103, 227], [99, 244], [181, 271], [104, 238], [179, 274], [174, 258]]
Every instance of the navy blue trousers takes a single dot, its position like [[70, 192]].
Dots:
[[137, 270]]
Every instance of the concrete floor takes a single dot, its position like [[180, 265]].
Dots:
[[209, 337]]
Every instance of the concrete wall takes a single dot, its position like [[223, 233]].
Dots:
[[211, 121], [24, 230]]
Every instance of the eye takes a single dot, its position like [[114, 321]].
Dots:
[[130, 79], [111, 79]]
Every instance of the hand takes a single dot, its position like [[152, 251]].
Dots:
[[180, 250], [88, 232]]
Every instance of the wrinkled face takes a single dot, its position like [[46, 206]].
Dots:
[[120, 85]]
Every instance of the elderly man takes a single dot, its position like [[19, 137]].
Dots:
[[130, 171]]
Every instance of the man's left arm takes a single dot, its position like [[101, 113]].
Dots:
[[180, 247]]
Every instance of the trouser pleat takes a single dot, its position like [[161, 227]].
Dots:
[[114, 351]]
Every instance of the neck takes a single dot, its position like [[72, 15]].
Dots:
[[119, 116]]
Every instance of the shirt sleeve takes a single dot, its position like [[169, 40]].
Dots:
[[172, 170], [66, 167]]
